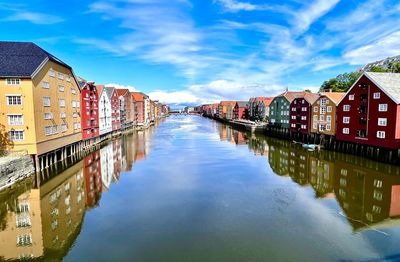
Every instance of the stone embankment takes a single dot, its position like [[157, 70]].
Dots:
[[15, 168]]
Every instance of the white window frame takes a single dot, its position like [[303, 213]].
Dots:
[[346, 108], [13, 98], [13, 137], [13, 81], [49, 129], [68, 78], [380, 134], [45, 85], [329, 109], [12, 117], [61, 102], [46, 98], [346, 120], [48, 115], [382, 121], [383, 107], [61, 88], [351, 97], [346, 131], [60, 76], [377, 95]]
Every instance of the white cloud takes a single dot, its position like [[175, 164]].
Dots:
[[306, 17], [235, 6], [382, 48], [118, 86], [33, 17]]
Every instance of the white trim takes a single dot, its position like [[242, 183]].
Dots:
[[348, 91], [39, 67]]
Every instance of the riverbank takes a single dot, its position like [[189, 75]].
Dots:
[[328, 143]]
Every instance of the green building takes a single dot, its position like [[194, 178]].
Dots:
[[279, 109]]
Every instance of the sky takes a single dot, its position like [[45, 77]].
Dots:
[[188, 52]]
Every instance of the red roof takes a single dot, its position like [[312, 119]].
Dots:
[[99, 88], [122, 92], [138, 96], [266, 100]]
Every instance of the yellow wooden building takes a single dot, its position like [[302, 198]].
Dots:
[[323, 113], [39, 99]]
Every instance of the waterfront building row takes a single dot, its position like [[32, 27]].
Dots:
[[367, 114], [46, 107]]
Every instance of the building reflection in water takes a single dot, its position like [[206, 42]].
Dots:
[[44, 221], [368, 192]]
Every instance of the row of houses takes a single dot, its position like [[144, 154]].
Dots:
[[368, 113], [45, 107]]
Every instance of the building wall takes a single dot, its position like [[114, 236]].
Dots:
[[279, 112], [139, 110], [316, 114], [25, 90], [115, 111], [372, 114], [90, 112], [105, 124], [300, 116], [122, 111]]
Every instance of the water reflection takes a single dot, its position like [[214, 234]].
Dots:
[[37, 222], [44, 221], [367, 191]]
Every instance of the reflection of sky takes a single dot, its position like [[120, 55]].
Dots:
[[196, 198]]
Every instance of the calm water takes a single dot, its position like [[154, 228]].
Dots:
[[191, 189]]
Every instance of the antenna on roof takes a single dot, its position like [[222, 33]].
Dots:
[[286, 89]]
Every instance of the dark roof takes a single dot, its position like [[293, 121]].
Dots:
[[21, 59]]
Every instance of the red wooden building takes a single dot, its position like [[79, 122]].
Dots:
[[90, 110], [92, 175], [369, 113], [240, 110], [300, 113]]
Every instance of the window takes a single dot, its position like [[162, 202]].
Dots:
[[61, 102], [48, 116], [13, 81], [293, 109], [14, 100], [377, 95], [23, 221], [378, 183], [16, 135], [346, 108], [15, 120], [329, 109], [63, 128], [55, 129], [380, 134], [351, 97], [321, 128], [323, 110], [315, 126], [346, 130], [272, 112], [46, 101], [68, 78], [60, 76], [73, 104], [47, 130], [328, 127], [322, 118], [52, 73], [382, 121], [293, 125], [45, 84], [73, 91], [74, 114], [304, 109], [346, 119], [61, 88], [24, 240], [304, 118], [383, 107], [315, 109], [63, 115], [328, 119], [323, 102]]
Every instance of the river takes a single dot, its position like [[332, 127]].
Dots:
[[192, 189]]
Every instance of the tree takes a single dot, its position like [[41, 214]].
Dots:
[[378, 69], [340, 83], [5, 142], [394, 67]]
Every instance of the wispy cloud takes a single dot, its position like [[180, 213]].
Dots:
[[237, 6], [118, 86], [19, 13]]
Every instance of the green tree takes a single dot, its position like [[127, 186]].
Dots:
[[340, 83], [5, 142], [394, 67], [378, 69]]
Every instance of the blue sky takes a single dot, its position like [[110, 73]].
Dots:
[[198, 51]]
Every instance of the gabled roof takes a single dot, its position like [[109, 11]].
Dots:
[[99, 89], [121, 92], [335, 97], [266, 100], [242, 103], [311, 97], [23, 59], [138, 96], [388, 82], [109, 91], [290, 96], [227, 102]]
